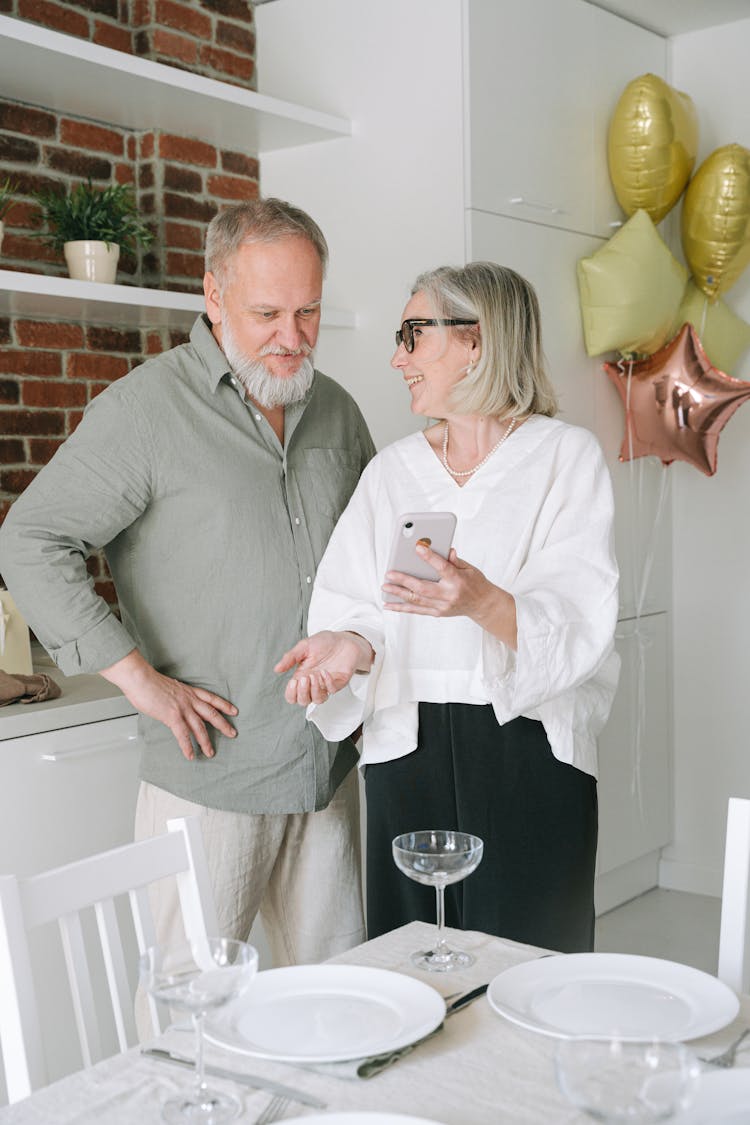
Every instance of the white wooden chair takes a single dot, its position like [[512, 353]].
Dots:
[[733, 936], [60, 895]]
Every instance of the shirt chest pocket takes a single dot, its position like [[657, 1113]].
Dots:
[[329, 477]]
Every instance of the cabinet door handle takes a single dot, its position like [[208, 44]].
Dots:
[[538, 206], [85, 751]]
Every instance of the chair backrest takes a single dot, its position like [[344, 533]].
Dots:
[[733, 935], [61, 895]]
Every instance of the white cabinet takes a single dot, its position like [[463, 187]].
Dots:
[[547, 258], [634, 822], [529, 110], [618, 52], [66, 794], [542, 80], [635, 764]]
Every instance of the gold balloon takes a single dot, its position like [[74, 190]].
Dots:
[[651, 147], [716, 220]]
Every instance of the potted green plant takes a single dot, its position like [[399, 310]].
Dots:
[[6, 202], [91, 225]]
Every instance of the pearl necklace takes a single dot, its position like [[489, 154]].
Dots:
[[485, 459]]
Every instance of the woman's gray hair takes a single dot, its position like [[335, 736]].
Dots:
[[258, 220], [510, 378]]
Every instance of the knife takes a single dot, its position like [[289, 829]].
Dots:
[[466, 999], [368, 1068], [254, 1080]]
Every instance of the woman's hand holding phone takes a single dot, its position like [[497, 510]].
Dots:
[[425, 575], [413, 529], [461, 591]]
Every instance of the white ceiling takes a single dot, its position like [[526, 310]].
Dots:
[[672, 17]]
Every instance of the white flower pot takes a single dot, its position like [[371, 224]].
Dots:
[[92, 261]]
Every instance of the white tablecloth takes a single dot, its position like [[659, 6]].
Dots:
[[479, 1070]]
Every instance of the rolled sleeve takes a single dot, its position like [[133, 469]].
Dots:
[[105, 644], [342, 601], [565, 595]]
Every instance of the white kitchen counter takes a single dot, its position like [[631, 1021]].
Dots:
[[84, 699]]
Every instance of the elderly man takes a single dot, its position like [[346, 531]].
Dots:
[[212, 476]]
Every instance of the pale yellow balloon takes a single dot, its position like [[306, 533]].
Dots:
[[724, 335], [716, 220], [630, 291], [651, 146]]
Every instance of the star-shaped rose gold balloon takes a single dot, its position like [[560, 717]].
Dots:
[[676, 403]]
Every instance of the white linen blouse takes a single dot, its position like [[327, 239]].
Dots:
[[536, 519]]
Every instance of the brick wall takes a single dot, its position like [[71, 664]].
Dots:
[[49, 371], [215, 38], [179, 183]]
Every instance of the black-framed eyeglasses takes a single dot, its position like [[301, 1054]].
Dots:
[[405, 334]]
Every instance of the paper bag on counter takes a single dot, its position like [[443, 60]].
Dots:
[[15, 643]]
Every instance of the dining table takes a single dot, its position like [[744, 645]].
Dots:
[[479, 1069]]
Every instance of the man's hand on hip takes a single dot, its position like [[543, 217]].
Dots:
[[182, 708]]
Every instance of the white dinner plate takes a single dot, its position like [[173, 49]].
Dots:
[[359, 1119], [635, 998], [722, 1098], [327, 1013]]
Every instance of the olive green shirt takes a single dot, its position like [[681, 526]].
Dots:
[[213, 532]]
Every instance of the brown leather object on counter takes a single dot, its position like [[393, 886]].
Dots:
[[27, 689]]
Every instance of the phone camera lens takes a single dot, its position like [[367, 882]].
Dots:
[[409, 524]]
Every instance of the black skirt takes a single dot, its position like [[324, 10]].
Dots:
[[536, 815]]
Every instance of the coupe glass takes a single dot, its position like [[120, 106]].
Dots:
[[199, 977], [437, 858], [615, 1081]]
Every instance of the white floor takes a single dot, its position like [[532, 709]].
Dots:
[[670, 924]]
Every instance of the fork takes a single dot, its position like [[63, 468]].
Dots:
[[274, 1110], [726, 1058]]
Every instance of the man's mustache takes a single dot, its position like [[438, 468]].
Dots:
[[269, 349]]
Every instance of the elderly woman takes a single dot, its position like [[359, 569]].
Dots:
[[482, 693]]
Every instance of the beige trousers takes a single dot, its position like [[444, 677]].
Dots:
[[300, 870]]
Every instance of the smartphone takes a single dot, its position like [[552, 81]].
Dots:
[[431, 529]]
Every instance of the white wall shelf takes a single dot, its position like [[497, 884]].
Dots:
[[70, 75], [59, 298]]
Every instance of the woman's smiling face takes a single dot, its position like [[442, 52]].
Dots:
[[437, 363]]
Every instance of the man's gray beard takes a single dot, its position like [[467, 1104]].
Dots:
[[267, 389]]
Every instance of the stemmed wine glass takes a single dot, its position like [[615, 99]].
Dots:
[[438, 857], [614, 1081], [199, 977]]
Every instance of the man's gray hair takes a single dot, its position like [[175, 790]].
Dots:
[[510, 377], [258, 220]]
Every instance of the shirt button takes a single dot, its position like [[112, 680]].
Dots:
[[297, 520], [257, 417], [308, 579]]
